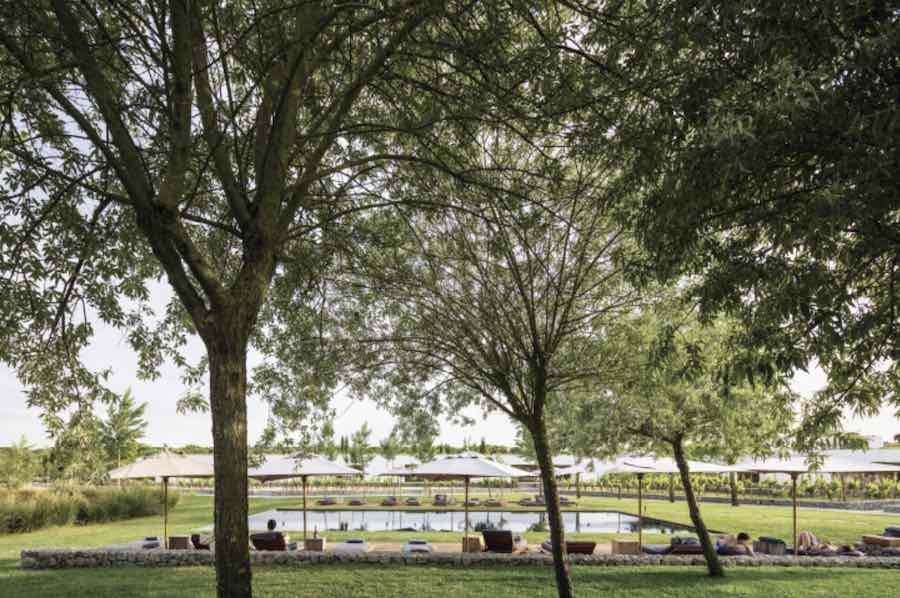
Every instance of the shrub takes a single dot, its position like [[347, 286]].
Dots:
[[24, 511]]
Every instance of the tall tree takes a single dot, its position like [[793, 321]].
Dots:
[[325, 445], [18, 464], [123, 427], [220, 146], [767, 157], [390, 448], [359, 446], [506, 302], [674, 399]]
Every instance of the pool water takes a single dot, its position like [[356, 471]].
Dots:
[[291, 520]]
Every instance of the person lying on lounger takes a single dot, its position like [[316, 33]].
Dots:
[[734, 545]]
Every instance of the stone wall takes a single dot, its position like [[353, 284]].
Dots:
[[61, 559]]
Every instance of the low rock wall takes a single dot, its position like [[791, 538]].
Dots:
[[62, 559]]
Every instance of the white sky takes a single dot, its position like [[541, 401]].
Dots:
[[110, 349]]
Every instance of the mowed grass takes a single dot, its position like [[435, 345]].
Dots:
[[417, 581], [424, 581]]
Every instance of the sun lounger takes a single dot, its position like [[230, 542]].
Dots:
[[656, 548], [412, 501], [473, 502], [200, 542], [352, 546], [442, 500], [877, 540], [767, 545], [572, 547], [503, 541], [390, 501], [418, 547], [527, 502], [357, 502], [327, 501], [685, 545], [272, 541], [493, 502]]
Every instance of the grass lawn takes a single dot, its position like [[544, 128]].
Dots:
[[368, 580]]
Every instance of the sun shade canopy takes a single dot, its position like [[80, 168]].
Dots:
[[467, 467], [164, 465], [282, 467]]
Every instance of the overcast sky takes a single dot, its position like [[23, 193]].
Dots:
[[110, 349]]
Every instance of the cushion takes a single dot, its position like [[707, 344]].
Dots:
[[656, 548]]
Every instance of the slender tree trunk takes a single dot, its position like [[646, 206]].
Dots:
[[709, 551], [228, 405], [732, 479], [554, 513]]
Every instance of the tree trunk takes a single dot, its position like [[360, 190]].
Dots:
[[228, 405], [709, 551], [732, 479], [554, 514]]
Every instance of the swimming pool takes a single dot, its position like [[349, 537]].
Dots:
[[415, 521]]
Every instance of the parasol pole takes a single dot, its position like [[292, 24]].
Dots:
[[794, 493], [466, 541], [303, 478], [165, 511], [640, 477]]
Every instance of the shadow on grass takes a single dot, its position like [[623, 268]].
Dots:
[[422, 581]]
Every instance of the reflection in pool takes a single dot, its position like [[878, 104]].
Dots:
[[515, 521]]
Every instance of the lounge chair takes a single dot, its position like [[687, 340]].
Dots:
[[656, 548], [503, 541], [473, 502], [572, 546], [356, 502], [276, 541], [352, 546], [200, 542], [390, 501], [881, 540], [494, 502], [412, 501], [767, 545], [327, 501], [442, 500], [418, 547], [685, 545]]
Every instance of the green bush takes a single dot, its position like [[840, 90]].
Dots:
[[27, 510]]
